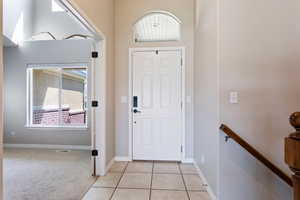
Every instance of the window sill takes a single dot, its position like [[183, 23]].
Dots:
[[64, 128]]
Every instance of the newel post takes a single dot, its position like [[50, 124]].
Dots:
[[292, 153]]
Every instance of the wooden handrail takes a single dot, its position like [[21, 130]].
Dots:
[[230, 133], [292, 153]]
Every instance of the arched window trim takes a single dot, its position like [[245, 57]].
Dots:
[[154, 13]]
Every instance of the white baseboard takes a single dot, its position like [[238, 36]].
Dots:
[[209, 190], [128, 159], [48, 146], [188, 160], [122, 159]]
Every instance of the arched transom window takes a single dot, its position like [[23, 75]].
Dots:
[[157, 27]]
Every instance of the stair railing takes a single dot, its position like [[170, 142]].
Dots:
[[292, 153], [230, 134]]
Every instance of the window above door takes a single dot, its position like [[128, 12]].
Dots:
[[157, 27]]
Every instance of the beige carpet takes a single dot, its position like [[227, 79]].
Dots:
[[35, 174]]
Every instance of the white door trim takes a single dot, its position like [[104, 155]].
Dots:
[[98, 85], [183, 94]]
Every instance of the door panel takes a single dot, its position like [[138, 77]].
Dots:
[[147, 92], [157, 125]]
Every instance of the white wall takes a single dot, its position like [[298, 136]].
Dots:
[[1, 102], [36, 16], [101, 14], [15, 63], [60, 24], [252, 50], [7, 42], [206, 91], [260, 60], [127, 13], [13, 10]]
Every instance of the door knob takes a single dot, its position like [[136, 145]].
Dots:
[[136, 111]]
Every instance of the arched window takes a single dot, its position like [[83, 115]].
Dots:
[[157, 26]]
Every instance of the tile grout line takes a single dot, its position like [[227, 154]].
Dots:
[[128, 188], [92, 186], [184, 182], [123, 172], [117, 185], [151, 180]]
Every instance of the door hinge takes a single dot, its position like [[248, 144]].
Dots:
[[95, 54], [95, 104], [94, 153], [181, 148], [181, 62], [181, 105]]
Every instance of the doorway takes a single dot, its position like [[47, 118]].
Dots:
[[54, 106], [97, 89], [157, 106]]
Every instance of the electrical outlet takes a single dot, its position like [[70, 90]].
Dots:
[[12, 133]]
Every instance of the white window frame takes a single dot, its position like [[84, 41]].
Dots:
[[29, 95]]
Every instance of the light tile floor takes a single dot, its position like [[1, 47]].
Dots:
[[149, 181]]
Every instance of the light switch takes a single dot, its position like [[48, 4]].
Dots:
[[124, 99], [234, 97]]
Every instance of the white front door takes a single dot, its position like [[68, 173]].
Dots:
[[157, 105]]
